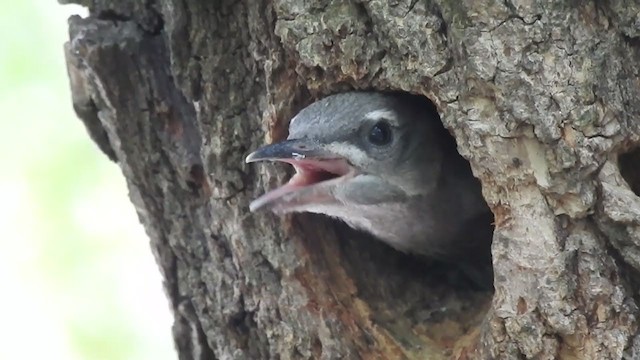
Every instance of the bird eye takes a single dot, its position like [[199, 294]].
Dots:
[[380, 134]]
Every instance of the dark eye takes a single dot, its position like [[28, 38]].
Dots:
[[380, 134]]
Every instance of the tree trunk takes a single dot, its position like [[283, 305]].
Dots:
[[543, 99]]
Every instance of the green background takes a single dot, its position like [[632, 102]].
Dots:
[[77, 277]]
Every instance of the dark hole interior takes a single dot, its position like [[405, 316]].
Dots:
[[420, 302], [629, 165], [630, 169]]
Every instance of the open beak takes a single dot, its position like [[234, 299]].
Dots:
[[317, 173]]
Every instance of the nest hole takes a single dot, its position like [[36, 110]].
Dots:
[[425, 305], [629, 164]]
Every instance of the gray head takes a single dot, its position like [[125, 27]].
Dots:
[[356, 148]]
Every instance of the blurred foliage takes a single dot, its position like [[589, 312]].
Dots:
[[77, 277]]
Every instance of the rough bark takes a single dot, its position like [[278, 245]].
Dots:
[[541, 96]]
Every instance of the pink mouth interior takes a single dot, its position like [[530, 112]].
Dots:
[[309, 172]]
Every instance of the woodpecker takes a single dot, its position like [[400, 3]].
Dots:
[[383, 163]]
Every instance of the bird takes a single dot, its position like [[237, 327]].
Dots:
[[383, 163]]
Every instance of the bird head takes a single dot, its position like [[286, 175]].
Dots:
[[355, 148]]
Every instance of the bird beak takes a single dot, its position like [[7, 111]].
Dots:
[[318, 170], [296, 149]]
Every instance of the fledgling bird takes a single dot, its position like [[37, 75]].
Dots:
[[382, 163]]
